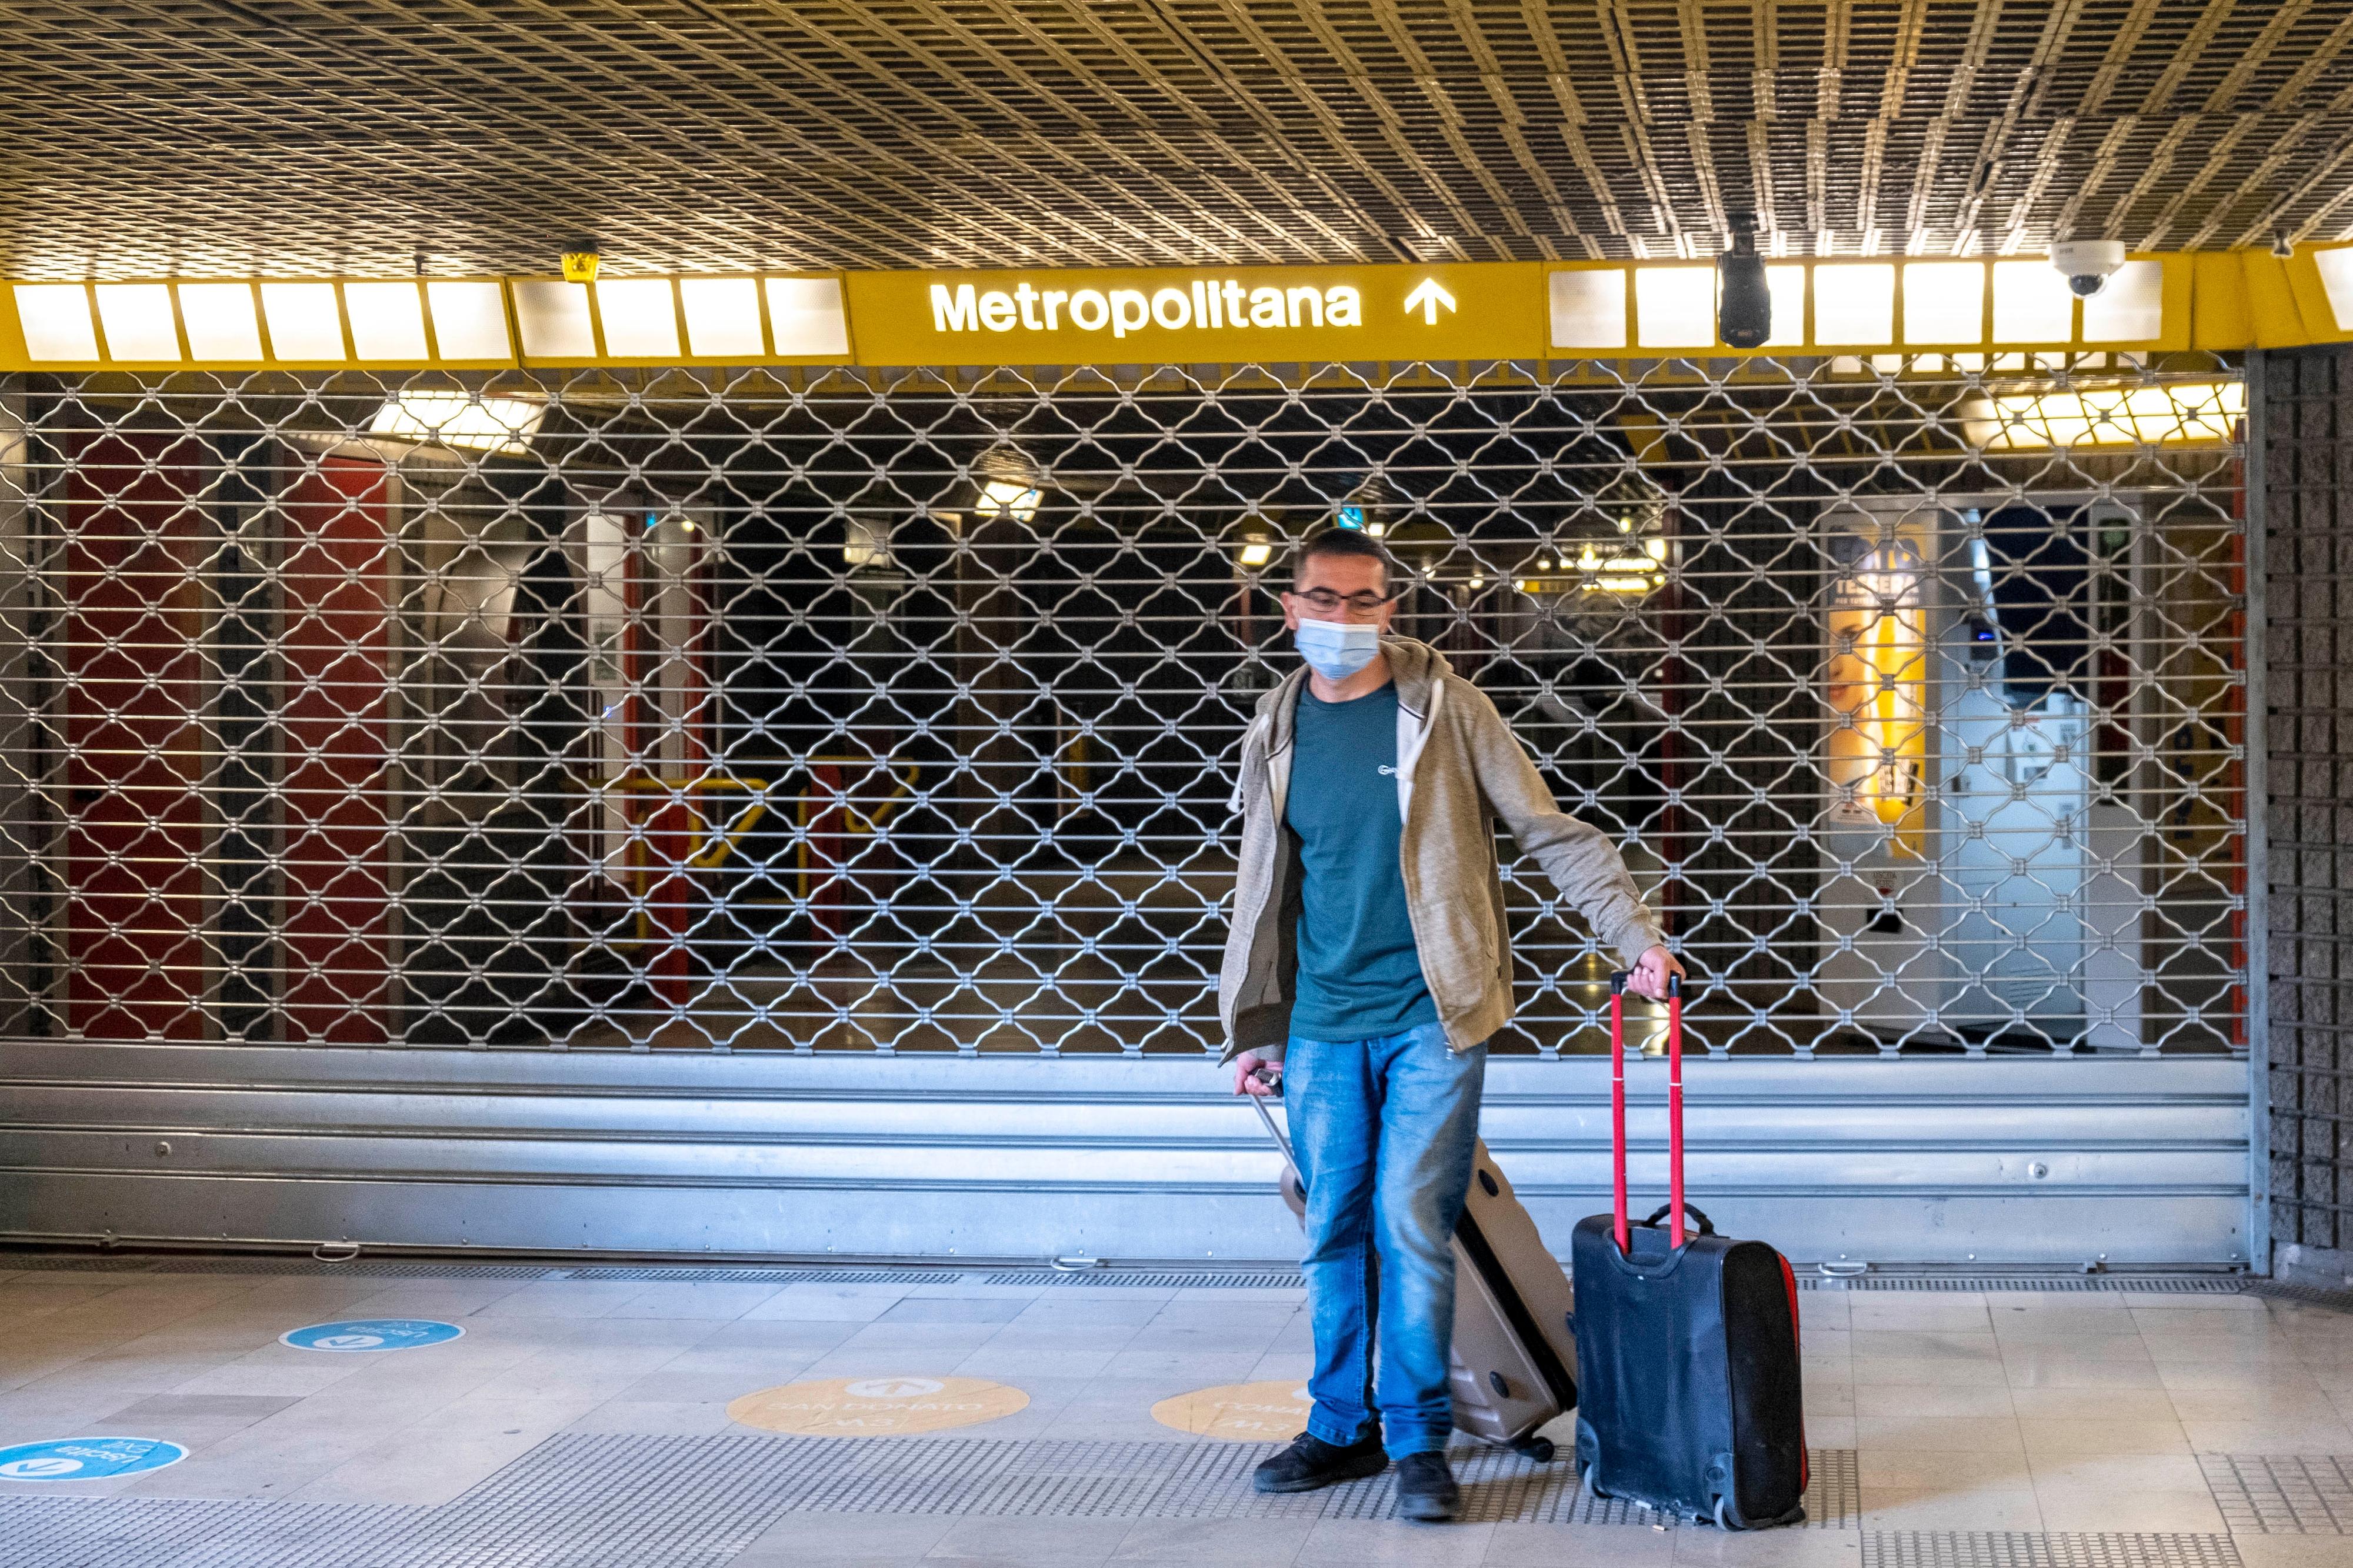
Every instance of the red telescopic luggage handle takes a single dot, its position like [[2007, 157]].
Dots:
[[1618, 1109]]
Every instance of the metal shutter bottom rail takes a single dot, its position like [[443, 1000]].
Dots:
[[2017, 1162]]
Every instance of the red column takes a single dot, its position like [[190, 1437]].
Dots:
[[133, 658], [333, 650]]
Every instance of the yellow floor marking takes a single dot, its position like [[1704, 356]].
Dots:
[[875, 1406], [1244, 1412]]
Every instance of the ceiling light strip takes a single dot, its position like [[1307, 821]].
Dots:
[[1961, 311], [454, 323]]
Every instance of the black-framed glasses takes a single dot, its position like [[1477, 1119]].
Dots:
[[1323, 601]]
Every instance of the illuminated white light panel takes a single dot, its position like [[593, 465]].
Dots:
[[2131, 309], [2031, 303], [220, 321], [470, 320], [1855, 304], [640, 318], [1675, 307], [554, 321], [805, 315], [1589, 310], [57, 322], [458, 419], [1944, 301], [2184, 412], [138, 320], [387, 321], [304, 321], [2337, 282], [722, 317], [1786, 287]]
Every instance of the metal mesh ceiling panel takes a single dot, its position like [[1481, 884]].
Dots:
[[344, 137], [889, 711]]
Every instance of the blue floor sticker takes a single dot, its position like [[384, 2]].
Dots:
[[87, 1458], [372, 1334]]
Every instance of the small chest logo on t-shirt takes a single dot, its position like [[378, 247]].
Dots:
[[1386, 770]]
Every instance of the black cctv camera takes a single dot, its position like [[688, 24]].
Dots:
[[2087, 263], [1744, 312]]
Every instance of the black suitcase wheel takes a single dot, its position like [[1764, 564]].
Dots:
[[1589, 1456], [1539, 1450]]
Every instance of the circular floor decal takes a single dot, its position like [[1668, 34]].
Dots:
[[1245, 1412], [876, 1406], [370, 1334], [87, 1458]]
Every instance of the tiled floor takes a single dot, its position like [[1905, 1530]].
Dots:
[[2033, 1414]]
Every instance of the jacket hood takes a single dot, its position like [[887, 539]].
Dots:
[[1416, 667]]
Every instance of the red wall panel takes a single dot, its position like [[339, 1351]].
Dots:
[[133, 656], [334, 652]]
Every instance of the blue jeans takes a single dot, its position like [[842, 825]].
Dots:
[[1383, 1130]]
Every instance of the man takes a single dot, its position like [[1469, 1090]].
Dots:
[[1368, 966]]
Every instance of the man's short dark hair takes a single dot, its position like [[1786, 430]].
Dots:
[[1352, 542]]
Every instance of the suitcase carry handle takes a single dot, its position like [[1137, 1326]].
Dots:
[[1675, 1205], [1706, 1225]]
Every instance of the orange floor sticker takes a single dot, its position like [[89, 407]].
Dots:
[[1245, 1412], [875, 1406]]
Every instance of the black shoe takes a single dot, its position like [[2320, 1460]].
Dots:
[[1311, 1462], [1426, 1488]]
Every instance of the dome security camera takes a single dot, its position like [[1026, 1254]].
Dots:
[[2087, 263]]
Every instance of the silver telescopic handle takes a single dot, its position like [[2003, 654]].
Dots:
[[1258, 1103]]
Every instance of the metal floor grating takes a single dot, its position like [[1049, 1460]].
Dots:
[[2021, 1549], [620, 1501], [708, 1477], [371, 1269], [1178, 1279], [1113, 1276], [718, 1276], [265, 1264], [2283, 1494], [2157, 1284], [173, 1532], [779, 1274]]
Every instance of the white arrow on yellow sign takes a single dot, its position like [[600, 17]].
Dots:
[[1426, 298]]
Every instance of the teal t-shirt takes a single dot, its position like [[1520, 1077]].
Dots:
[[1360, 971]]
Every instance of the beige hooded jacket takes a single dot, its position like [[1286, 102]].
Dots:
[[1460, 768]]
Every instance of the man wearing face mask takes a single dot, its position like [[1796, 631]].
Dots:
[[1368, 966]]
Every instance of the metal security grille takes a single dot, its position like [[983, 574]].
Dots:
[[892, 711]]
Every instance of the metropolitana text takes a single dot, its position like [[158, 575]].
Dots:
[[1210, 302]]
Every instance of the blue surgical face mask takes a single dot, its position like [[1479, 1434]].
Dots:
[[1337, 649]]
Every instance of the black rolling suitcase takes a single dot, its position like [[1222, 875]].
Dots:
[[1686, 1345]]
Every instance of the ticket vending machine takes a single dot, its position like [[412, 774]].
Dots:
[[1982, 887]]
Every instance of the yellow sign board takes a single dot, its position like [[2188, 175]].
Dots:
[[1220, 315], [1982, 313]]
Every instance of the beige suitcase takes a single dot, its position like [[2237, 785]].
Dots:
[[1514, 1351]]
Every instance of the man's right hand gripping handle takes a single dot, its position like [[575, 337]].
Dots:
[[1254, 1075]]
